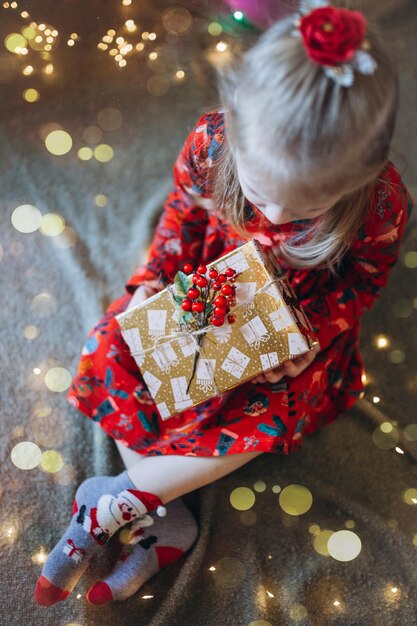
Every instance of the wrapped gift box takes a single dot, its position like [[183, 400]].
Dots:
[[270, 327]]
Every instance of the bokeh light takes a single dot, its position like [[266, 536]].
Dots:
[[15, 42], [344, 545], [26, 218], [242, 498], [51, 462], [177, 20], [103, 153], [58, 142], [100, 200], [295, 499], [85, 153], [58, 379], [31, 95], [44, 304], [31, 332], [26, 455], [385, 436], [52, 224]]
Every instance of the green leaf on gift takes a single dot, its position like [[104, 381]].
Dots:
[[181, 284]]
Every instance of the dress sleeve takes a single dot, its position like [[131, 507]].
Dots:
[[180, 232], [334, 304]]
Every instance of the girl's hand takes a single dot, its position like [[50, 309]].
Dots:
[[142, 293], [289, 368]]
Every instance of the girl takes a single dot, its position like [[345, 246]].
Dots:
[[297, 158]]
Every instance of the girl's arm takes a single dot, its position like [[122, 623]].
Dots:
[[335, 304], [179, 235]]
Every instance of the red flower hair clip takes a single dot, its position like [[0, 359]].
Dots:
[[336, 39]]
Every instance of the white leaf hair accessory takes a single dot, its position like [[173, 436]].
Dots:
[[335, 38]]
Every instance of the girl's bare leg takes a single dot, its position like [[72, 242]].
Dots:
[[171, 476], [129, 457]]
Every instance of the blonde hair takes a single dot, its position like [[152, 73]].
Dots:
[[299, 125]]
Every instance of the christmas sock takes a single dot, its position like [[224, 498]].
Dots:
[[149, 549], [102, 505]]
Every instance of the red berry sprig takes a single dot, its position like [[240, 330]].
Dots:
[[212, 295]]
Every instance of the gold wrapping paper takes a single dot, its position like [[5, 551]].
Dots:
[[270, 328]]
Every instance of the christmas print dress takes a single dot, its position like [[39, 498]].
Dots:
[[269, 417]]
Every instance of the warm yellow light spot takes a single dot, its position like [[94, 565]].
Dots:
[[399, 450], [48, 47], [111, 32], [58, 142], [55, 33], [70, 42], [120, 40], [118, 57], [295, 499], [328, 27], [103, 153], [14, 42], [320, 541], [382, 341], [52, 224], [376, 399], [153, 56], [26, 455], [214, 29], [180, 74], [27, 70], [38, 38], [26, 218], [36, 371], [409, 496], [31, 332], [31, 95], [122, 63], [145, 35], [100, 200], [152, 36], [242, 498], [102, 46], [58, 379], [140, 46], [28, 32], [259, 486], [410, 259], [48, 69], [363, 378], [221, 46], [85, 153], [44, 304], [386, 427], [130, 25], [74, 36], [113, 51], [24, 14], [298, 612], [51, 461], [50, 39], [40, 557], [126, 3]]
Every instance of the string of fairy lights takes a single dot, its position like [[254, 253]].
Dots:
[[32, 49]]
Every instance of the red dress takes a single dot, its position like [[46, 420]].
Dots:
[[270, 417]]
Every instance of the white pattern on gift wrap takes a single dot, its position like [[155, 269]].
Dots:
[[235, 363], [163, 410], [269, 360], [223, 333], [133, 339], [205, 374], [255, 332], [165, 357], [157, 319], [245, 292], [274, 292], [152, 382], [237, 261], [187, 345], [281, 318], [182, 399], [296, 344]]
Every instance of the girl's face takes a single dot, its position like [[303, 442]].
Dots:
[[256, 191]]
